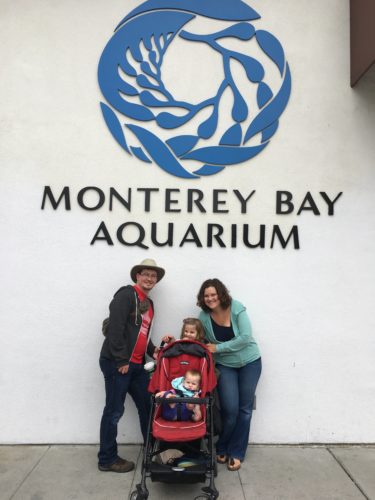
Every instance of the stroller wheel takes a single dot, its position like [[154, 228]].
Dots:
[[137, 495], [209, 493]]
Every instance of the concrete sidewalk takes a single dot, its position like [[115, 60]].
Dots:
[[269, 473]]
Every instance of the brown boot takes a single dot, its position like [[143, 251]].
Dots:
[[120, 465]]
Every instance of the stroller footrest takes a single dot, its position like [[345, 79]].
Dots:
[[174, 474]]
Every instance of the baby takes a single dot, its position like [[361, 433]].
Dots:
[[188, 387]]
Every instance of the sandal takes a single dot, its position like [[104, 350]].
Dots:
[[234, 464], [221, 459]]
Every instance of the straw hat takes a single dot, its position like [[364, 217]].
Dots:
[[147, 264]]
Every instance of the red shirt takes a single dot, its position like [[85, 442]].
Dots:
[[141, 344]]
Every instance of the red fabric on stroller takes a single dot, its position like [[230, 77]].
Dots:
[[174, 361]]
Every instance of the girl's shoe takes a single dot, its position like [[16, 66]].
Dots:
[[234, 464], [221, 459]]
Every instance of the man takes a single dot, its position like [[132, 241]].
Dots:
[[122, 358]]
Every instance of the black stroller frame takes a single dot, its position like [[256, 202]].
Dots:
[[168, 473]]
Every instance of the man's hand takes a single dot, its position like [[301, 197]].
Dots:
[[123, 369]]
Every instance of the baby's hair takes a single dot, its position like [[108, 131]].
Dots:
[[194, 373], [198, 325]]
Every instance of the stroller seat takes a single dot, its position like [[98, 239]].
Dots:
[[186, 430], [167, 430]]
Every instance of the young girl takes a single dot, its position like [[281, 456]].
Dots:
[[192, 329]]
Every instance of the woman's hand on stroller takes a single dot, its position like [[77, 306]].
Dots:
[[211, 347]]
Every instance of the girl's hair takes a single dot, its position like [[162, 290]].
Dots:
[[222, 292], [198, 325]]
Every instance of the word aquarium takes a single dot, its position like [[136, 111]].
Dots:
[[171, 234]]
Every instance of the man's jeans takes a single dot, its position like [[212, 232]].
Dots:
[[117, 385], [236, 388]]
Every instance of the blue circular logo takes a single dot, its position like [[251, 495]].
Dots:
[[140, 109]]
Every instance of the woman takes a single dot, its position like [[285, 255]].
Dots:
[[228, 331]]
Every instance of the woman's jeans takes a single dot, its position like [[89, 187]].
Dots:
[[117, 385], [236, 388]]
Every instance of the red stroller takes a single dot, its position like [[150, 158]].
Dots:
[[195, 439]]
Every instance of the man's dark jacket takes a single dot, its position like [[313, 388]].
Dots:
[[124, 325]]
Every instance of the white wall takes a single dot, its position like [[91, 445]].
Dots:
[[311, 309]]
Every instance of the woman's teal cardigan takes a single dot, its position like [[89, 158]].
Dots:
[[241, 349]]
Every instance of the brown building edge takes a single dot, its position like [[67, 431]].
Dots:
[[362, 38]]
